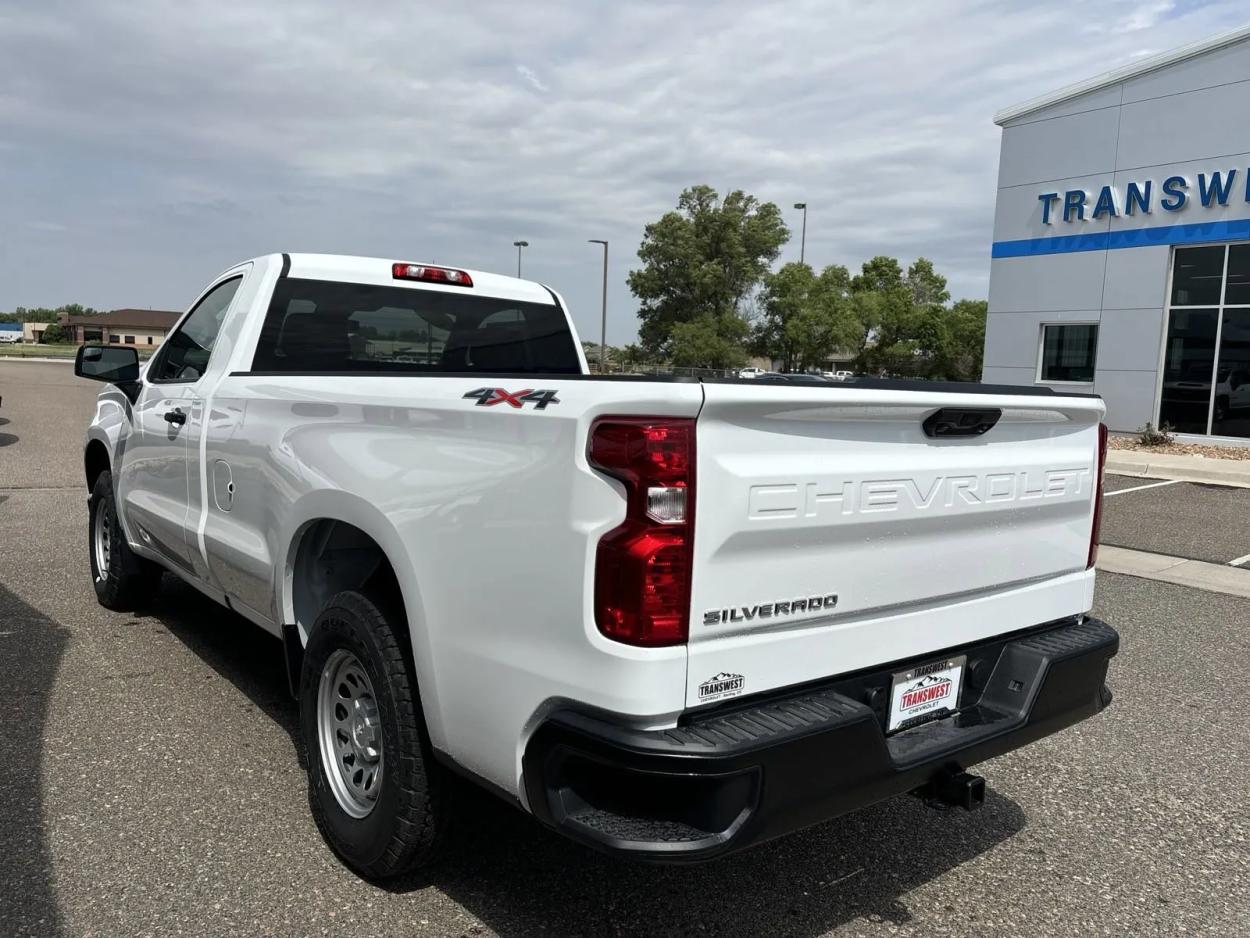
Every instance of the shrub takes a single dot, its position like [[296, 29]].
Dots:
[[54, 334], [1150, 435]]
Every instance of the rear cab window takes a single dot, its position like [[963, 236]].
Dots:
[[325, 326]]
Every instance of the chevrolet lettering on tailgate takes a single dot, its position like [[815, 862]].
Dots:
[[821, 498]]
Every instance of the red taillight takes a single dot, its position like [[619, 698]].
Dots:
[[643, 567], [453, 278], [1102, 464]]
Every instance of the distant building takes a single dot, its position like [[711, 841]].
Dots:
[[141, 328]]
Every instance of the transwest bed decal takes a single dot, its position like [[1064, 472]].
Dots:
[[723, 685]]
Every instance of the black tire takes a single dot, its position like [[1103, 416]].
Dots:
[[130, 580], [1221, 409], [404, 828]]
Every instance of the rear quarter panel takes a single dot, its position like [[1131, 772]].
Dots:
[[490, 516]]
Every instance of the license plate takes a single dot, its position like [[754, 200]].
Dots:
[[925, 692]]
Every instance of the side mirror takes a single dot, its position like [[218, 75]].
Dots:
[[115, 364]]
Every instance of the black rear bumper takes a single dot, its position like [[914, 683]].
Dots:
[[735, 776]]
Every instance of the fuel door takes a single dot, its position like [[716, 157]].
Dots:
[[223, 485]]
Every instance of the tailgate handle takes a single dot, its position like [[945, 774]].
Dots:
[[961, 421]]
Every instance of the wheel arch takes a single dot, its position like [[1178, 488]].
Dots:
[[95, 461], [329, 555], [339, 541]]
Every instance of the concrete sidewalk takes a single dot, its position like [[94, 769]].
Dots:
[[1213, 577], [1185, 468]]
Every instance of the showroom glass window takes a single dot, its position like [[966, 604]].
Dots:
[[1068, 353], [1205, 387]]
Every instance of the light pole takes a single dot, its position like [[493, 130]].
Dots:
[[518, 245], [603, 325], [803, 240]]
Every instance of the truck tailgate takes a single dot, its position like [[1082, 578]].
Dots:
[[833, 534]]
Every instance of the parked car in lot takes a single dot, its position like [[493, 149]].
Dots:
[[670, 618], [798, 377], [751, 372], [839, 375]]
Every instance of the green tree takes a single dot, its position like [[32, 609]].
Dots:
[[902, 316], [43, 314], [700, 264], [55, 334], [633, 355], [927, 286], [806, 317], [708, 342], [960, 355]]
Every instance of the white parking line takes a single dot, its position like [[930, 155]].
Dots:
[[1138, 488], [1239, 561]]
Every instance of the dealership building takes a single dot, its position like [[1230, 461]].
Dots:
[[1121, 255]]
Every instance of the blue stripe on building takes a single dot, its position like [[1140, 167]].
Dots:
[[1197, 233]]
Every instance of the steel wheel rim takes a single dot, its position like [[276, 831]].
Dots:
[[350, 733], [100, 538]]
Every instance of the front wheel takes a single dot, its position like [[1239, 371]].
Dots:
[[376, 793], [122, 579]]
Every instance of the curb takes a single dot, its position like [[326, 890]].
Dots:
[[1197, 574], [1181, 468]]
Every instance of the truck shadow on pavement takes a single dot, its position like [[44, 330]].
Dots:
[[31, 646], [520, 879], [523, 880], [247, 656]]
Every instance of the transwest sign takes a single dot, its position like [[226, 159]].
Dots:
[[1171, 195]]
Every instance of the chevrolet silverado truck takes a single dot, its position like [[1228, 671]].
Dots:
[[670, 618]]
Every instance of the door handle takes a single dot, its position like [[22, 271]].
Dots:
[[175, 416]]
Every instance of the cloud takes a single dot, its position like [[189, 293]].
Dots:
[[180, 143], [528, 74]]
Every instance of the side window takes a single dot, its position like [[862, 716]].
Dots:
[[184, 354]]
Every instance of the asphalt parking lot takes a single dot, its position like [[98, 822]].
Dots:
[[1183, 519], [152, 783]]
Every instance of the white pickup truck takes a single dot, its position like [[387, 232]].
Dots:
[[669, 618]]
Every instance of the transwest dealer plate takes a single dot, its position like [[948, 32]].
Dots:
[[925, 692]]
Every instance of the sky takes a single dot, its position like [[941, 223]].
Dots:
[[145, 146]]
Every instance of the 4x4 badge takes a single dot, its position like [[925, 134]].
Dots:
[[489, 397]]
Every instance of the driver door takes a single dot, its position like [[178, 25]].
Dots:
[[153, 488]]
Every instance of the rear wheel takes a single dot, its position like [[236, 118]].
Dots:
[[122, 578], [376, 793]]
